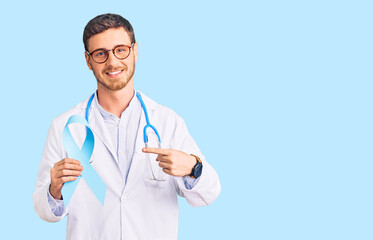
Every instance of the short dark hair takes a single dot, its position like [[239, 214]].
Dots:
[[104, 22]]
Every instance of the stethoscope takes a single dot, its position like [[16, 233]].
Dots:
[[146, 139], [148, 125]]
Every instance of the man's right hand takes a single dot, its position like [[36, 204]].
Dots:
[[63, 171]]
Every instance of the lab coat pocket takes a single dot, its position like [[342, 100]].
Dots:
[[154, 176]]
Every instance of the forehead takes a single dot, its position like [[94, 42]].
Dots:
[[109, 39]]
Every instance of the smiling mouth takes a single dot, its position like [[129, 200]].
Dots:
[[115, 73]]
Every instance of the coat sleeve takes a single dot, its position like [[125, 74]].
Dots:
[[51, 155], [208, 187]]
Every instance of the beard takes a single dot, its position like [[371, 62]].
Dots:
[[116, 83]]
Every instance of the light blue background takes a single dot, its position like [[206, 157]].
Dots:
[[277, 95]]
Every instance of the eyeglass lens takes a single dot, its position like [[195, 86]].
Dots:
[[120, 52]]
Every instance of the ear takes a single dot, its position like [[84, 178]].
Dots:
[[135, 51], [87, 59]]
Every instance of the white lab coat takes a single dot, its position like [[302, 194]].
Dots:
[[140, 209]]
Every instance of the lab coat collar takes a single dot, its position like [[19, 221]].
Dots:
[[149, 103]]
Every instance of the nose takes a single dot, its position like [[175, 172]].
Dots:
[[112, 59]]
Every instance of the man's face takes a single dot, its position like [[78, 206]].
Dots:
[[114, 74]]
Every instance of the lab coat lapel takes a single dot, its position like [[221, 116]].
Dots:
[[105, 164], [98, 126], [137, 167]]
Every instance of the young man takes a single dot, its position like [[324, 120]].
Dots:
[[141, 183]]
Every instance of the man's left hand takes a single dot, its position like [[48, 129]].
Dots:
[[173, 162]]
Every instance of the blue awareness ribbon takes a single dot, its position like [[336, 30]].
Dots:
[[91, 177]]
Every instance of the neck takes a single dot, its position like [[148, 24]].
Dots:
[[115, 102]]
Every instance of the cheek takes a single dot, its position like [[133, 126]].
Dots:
[[96, 69], [97, 73]]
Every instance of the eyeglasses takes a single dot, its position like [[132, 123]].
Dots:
[[101, 55]]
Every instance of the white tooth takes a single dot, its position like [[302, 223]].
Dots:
[[113, 73]]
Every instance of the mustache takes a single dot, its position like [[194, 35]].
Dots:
[[114, 69]]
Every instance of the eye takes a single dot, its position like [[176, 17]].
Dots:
[[99, 54], [121, 49]]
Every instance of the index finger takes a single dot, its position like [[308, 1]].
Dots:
[[155, 150], [69, 160]]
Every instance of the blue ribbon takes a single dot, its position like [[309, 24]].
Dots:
[[93, 180]]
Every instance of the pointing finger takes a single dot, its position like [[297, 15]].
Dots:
[[156, 151]]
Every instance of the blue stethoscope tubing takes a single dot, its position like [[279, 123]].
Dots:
[[148, 125]]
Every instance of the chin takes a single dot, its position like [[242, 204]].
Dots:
[[113, 86]]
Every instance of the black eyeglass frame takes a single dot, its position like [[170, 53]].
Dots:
[[112, 50]]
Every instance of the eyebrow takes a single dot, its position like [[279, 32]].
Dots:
[[113, 47], [121, 45]]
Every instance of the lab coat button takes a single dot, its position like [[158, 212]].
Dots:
[[123, 198]]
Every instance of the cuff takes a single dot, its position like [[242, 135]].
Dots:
[[190, 182], [57, 206]]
